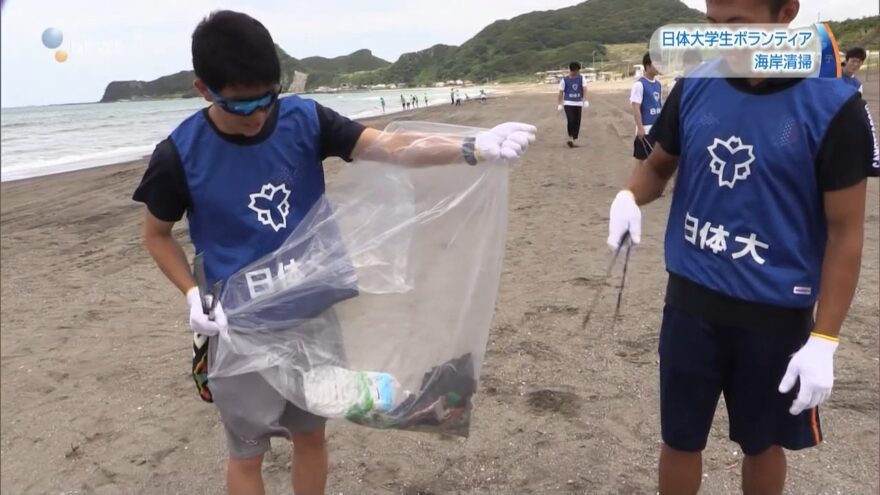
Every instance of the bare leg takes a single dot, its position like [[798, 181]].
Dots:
[[309, 469], [245, 476], [680, 472], [764, 473]]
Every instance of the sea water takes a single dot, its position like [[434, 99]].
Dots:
[[45, 140]]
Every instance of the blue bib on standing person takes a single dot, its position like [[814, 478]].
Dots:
[[574, 88], [247, 199], [852, 81], [652, 102], [747, 218]]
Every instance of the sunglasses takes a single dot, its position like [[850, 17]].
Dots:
[[248, 106]]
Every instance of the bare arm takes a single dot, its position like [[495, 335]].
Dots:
[[505, 141], [167, 253], [649, 179], [637, 114], [845, 214], [408, 148], [559, 98]]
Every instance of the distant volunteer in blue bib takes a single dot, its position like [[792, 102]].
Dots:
[[854, 59], [245, 171], [767, 219], [646, 98], [573, 99]]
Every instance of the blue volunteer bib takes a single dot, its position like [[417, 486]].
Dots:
[[652, 102], [247, 199], [574, 89], [246, 202], [852, 81], [747, 218]]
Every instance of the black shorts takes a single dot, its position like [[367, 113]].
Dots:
[[642, 147], [699, 361]]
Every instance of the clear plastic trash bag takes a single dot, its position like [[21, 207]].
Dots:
[[377, 308]]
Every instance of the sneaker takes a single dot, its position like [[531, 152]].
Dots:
[[570, 143]]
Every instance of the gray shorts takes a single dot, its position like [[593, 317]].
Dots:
[[253, 412]]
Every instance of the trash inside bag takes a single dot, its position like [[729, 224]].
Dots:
[[377, 307]]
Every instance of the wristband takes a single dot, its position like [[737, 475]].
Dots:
[[825, 337], [468, 150]]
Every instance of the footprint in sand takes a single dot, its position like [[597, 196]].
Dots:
[[555, 401]]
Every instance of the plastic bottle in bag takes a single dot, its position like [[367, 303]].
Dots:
[[334, 392]]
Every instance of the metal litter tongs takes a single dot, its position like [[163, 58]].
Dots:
[[208, 304], [625, 243]]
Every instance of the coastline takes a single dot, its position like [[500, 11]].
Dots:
[[121, 155]]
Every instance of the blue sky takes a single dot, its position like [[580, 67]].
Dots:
[[112, 40]]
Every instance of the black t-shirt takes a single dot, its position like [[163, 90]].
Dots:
[[163, 187], [846, 155]]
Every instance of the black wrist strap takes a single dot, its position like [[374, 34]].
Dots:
[[468, 150]]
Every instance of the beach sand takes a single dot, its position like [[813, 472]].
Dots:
[[97, 396]]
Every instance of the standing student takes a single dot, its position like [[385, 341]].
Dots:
[[572, 98], [767, 219], [245, 171], [646, 98], [382, 101], [855, 57]]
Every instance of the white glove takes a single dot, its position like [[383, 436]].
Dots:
[[507, 141], [586, 104], [558, 108], [625, 216], [814, 365], [199, 321]]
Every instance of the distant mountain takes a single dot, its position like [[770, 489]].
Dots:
[[519, 46], [864, 32], [321, 71], [355, 62], [326, 71], [174, 86], [539, 41], [422, 67], [550, 39]]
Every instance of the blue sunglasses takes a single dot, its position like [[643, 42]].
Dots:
[[249, 106]]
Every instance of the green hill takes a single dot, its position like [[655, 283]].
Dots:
[[329, 71], [422, 67], [545, 40], [519, 46], [358, 61], [177, 85], [864, 32], [322, 71]]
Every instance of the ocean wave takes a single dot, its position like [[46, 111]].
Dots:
[[73, 162]]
